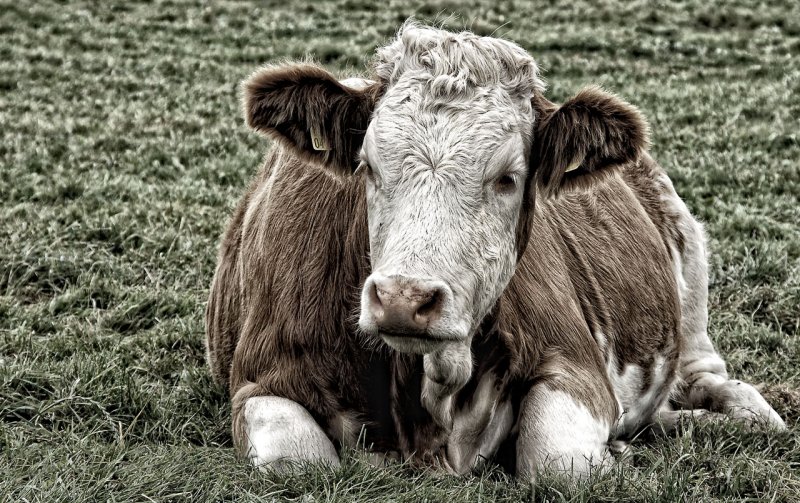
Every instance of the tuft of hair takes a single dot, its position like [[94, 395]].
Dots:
[[451, 64], [595, 132]]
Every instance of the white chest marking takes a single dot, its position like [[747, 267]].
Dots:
[[479, 427]]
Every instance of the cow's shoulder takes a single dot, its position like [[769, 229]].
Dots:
[[302, 254], [596, 280]]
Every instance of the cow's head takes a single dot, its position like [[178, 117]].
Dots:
[[453, 141]]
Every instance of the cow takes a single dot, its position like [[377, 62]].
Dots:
[[438, 264]]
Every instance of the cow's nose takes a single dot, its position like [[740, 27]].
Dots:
[[400, 304]]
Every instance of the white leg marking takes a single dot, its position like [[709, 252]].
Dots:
[[701, 368], [734, 398], [691, 275], [280, 431], [557, 433], [669, 421]]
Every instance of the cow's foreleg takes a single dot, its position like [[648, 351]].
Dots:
[[705, 382], [559, 433], [715, 393], [276, 433]]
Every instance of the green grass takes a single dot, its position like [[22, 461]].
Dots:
[[123, 152]]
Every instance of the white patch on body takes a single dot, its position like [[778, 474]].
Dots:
[[691, 274], [496, 431], [638, 406], [356, 83], [559, 434], [601, 340], [280, 432], [677, 269], [627, 387], [346, 428]]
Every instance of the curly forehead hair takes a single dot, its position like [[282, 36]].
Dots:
[[454, 64]]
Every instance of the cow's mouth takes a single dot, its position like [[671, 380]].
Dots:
[[415, 342]]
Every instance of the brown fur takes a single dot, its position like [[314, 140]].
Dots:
[[293, 261], [223, 311]]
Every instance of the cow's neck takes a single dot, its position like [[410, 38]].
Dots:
[[446, 372]]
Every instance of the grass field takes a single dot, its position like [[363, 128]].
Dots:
[[123, 152]]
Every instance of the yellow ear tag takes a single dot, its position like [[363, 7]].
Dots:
[[318, 141], [572, 167]]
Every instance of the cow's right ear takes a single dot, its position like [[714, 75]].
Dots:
[[311, 112]]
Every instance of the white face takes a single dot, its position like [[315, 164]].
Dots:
[[444, 186]]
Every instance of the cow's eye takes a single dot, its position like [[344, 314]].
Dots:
[[505, 184]]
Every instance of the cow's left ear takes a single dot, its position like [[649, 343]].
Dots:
[[313, 114], [584, 139]]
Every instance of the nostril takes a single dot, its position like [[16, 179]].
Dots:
[[375, 304], [431, 308]]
